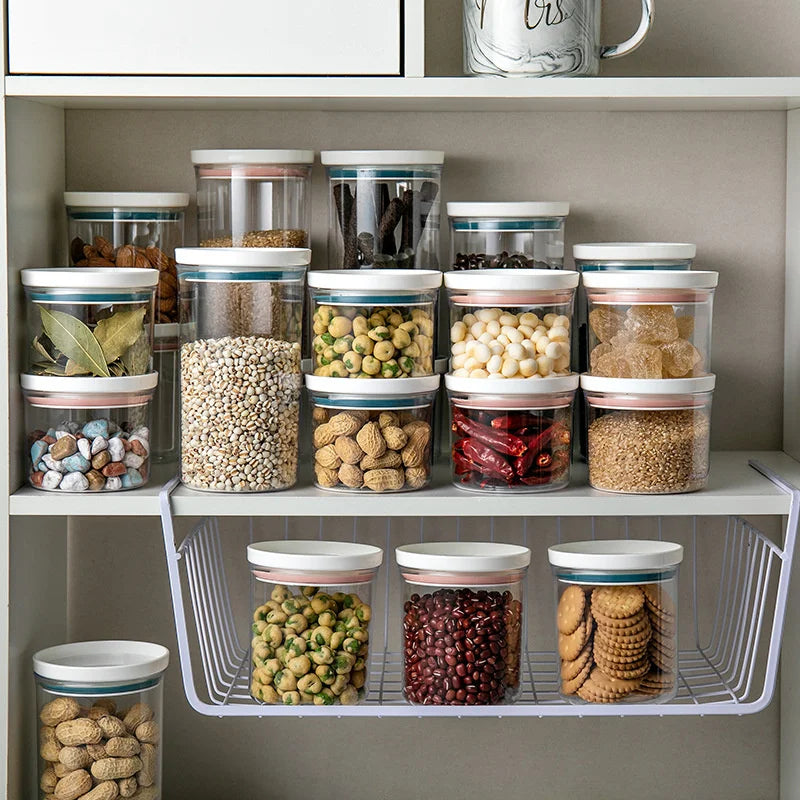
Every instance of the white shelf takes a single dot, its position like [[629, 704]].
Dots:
[[403, 94], [734, 488]]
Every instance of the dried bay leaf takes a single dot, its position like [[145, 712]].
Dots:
[[47, 368], [42, 350], [119, 332], [73, 368], [117, 368], [137, 357], [74, 340]]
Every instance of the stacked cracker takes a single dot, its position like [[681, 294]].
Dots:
[[616, 640]]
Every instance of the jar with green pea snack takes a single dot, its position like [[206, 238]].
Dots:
[[312, 604], [373, 324]]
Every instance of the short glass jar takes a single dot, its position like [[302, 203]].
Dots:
[[312, 611], [507, 235], [88, 434], [384, 208], [617, 620], [93, 321], [512, 436], [166, 416], [373, 324], [463, 621], [371, 436], [648, 437], [650, 325], [241, 327], [510, 323], [100, 715], [130, 229]]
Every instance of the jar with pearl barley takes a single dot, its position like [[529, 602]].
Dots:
[[510, 323]]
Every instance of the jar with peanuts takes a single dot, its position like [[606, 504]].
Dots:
[[616, 620], [99, 713]]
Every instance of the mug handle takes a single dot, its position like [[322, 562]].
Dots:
[[629, 45]]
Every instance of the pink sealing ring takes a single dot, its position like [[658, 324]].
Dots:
[[647, 403], [651, 297], [251, 172], [90, 401], [514, 299], [502, 403], [465, 579], [314, 578]]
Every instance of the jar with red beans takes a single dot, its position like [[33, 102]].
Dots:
[[463, 621]]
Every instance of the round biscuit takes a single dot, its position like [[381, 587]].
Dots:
[[625, 622], [591, 693], [573, 685], [571, 669], [618, 602], [625, 671], [658, 597], [569, 647], [609, 684], [601, 653], [571, 608]]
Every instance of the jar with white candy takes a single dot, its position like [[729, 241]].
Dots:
[[510, 323]]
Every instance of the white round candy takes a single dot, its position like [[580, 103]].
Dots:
[[544, 365], [494, 364], [516, 351], [458, 332], [482, 353], [479, 373], [493, 327], [558, 334], [527, 367], [510, 367], [459, 348]]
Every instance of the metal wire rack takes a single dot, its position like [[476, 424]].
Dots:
[[729, 646]]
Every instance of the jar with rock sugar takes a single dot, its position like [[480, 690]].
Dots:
[[241, 327], [100, 708], [463, 621]]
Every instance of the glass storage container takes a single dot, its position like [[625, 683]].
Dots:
[[463, 621], [253, 198], [648, 437], [372, 436], [384, 208], [617, 620], [510, 323], [312, 614], [241, 327], [99, 714], [507, 235], [373, 324], [513, 436], [93, 321], [166, 422], [650, 325], [636, 256], [88, 434]]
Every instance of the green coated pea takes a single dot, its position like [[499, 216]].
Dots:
[[297, 622], [277, 617], [285, 681], [343, 663], [289, 607], [291, 698], [325, 674], [309, 591], [327, 619], [338, 686], [299, 665], [322, 635], [337, 638], [324, 698], [364, 613], [309, 684], [322, 656], [351, 645], [349, 697], [360, 635], [260, 613]]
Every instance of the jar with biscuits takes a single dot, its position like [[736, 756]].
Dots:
[[617, 620], [463, 621]]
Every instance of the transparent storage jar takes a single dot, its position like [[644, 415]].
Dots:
[[373, 324], [88, 434], [635, 256], [507, 235], [166, 422], [94, 321], [648, 437], [370, 436], [241, 327], [99, 709], [384, 208], [511, 436], [617, 620], [253, 198], [463, 621], [130, 229], [312, 617], [650, 325], [510, 323]]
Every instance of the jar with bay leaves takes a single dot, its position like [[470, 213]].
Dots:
[[89, 322]]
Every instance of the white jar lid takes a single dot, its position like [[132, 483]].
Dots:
[[661, 386], [635, 251], [373, 388], [463, 557], [508, 210], [95, 278], [616, 555], [650, 279], [101, 662], [252, 156], [511, 280], [314, 556], [144, 200], [381, 158], [518, 387], [243, 257], [127, 384], [375, 280]]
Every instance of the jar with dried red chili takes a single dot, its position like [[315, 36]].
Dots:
[[513, 435]]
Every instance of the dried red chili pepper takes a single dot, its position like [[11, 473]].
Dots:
[[518, 419], [491, 463], [505, 443], [544, 460]]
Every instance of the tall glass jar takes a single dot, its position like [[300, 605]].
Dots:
[[166, 418], [100, 716], [463, 621], [241, 328], [384, 208]]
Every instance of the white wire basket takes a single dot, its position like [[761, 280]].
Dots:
[[734, 587]]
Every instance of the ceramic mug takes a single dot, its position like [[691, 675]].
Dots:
[[519, 38]]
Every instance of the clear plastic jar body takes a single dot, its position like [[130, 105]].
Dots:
[[90, 438], [253, 198], [119, 229], [520, 442], [384, 211], [166, 422], [241, 326], [365, 442]]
